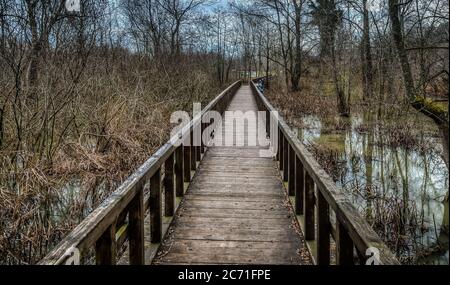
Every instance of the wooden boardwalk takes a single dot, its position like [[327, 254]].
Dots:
[[236, 210]]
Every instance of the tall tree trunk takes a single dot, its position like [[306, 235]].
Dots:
[[35, 47], [296, 73], [427, 107], [367, 56], [283, 49], [267, 58]]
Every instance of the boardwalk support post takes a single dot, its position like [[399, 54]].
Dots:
[[193, 152], [187, 161], [179, 175], [155, 207], [105, 247], [323, 230], [309, 207], [285, 159], [291, 176], [136, 228], [281, 149], [299, 186], [203, 146], [344, 246], [169, 197]]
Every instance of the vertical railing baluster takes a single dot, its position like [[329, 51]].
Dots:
[[179, 179], [187, 161], [299, 186], [155, 207], [344, 246], [278, 157], [198, 139], [309, 207], [281, 140], [193, 151], [286, 147], [267, 123], [323, 230], [291, 176], [169, 197], [136, 218], [105, 247], [203, 146]]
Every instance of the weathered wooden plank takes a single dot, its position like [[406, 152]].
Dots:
[[219, 233], [230, 258], [223, 204], [200, 246], [243, 181], [256, 173], [232, 197], [242, 221], [239, 213], [236, 192]]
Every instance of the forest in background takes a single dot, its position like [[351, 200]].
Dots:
[[86, 96]]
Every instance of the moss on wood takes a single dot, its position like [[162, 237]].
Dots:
[[436, 110]]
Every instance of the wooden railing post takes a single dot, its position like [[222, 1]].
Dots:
[[105, 247], [309, 207], [187, 161], [136, 218], [323, 230], [155, 207], [278, 157], [281, 147], [344, 246], [169, 197], [299, 186], [179, 179], [291, 176], [286, 147], [203, 147], [198, 144], [193, 151]]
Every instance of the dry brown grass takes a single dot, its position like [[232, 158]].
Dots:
[[114, 119]]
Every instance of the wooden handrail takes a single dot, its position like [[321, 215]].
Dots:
[[106, 226], [301, 171]]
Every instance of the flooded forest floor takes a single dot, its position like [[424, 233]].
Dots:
[[387, 157]]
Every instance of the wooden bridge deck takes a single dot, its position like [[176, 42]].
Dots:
[[236, 210]]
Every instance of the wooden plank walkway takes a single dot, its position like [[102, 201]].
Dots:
[[236, 210]]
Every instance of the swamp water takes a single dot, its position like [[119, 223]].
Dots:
[[400, 191]]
